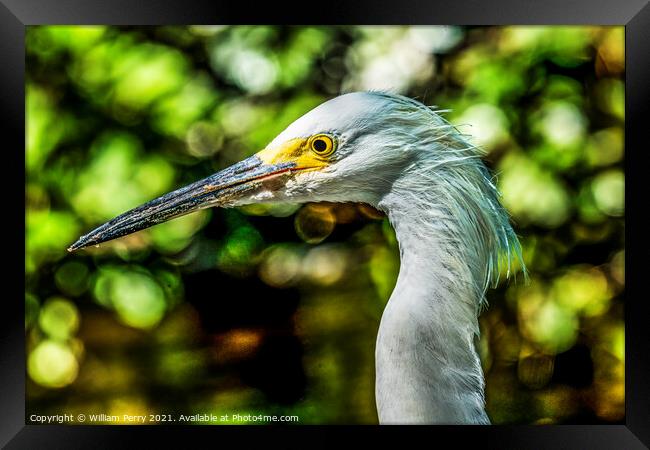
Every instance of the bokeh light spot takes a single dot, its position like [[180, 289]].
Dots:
[[531, 193], [583, 289], [281, 266], [138, 300], [52, 364], [72, 278], [609, 192], [314, 223], [325, 264], [488, 124], [136, 297], [563, 124], [59, 318], [545, 322]]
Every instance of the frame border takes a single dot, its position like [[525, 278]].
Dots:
[[634, 14]]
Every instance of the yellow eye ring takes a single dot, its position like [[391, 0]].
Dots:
[[322, 144]]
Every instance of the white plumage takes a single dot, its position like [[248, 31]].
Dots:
[[401, 157]]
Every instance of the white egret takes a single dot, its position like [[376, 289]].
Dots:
[[401, 157]]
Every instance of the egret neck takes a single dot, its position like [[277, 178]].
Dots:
[[427, 367]]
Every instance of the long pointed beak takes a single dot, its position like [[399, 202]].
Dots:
[[224, 188]]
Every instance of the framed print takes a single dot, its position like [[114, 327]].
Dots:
[[406, 218]]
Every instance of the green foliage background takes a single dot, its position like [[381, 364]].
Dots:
[[274, 309]]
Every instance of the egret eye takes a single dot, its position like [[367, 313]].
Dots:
[[322, 144]]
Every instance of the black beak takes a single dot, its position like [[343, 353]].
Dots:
[[224, 188]]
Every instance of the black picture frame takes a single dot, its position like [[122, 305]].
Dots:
[[634, 14]]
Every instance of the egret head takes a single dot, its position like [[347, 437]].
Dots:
[[349, 149], [336, 152], [370, 147]]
